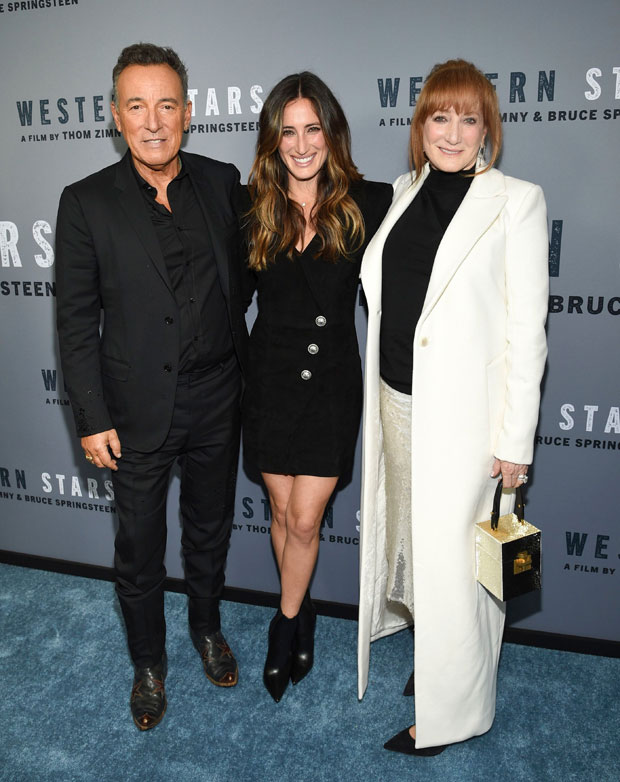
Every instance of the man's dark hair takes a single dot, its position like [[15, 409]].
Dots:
[[148, 54]]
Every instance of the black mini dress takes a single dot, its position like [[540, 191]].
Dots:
[[303, 396]]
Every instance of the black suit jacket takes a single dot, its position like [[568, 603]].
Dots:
[[124, 374]]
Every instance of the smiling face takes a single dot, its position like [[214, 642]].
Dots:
[[151, 113], [302, 147], [451, 141]]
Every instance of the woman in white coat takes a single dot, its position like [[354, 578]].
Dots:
[[457, 285]]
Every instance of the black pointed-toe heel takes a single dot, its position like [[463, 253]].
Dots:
[[402, 742], [303, 650], [410, 686], [279, 655]]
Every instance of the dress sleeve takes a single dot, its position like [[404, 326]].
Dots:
[[376, 200]]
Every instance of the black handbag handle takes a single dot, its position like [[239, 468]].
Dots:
[[519, 504]]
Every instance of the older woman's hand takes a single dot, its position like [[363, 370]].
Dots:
[[513, 475]]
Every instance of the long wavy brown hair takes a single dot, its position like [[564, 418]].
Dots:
[[458, 84], [275, 223]]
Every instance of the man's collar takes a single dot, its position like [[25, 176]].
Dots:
[[151, 189]]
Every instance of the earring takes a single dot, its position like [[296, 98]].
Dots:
[[480, 161]]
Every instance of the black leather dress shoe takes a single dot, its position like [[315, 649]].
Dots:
[[148, 695], [402, 742], [217, 658], [303, 645]]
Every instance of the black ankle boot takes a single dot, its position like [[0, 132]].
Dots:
[[303, 651], [279, 655]]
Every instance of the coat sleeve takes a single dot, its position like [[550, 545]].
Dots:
[[78, 313], [527, 294], [248, 277]]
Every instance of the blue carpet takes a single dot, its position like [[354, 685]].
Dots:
[[66, 680]]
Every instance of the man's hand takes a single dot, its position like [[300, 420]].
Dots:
[[99, 447], [512, 474]]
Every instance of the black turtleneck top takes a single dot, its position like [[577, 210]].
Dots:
[[408, 257]]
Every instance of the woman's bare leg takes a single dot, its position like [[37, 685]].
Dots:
[[298, 504], [279, 489]]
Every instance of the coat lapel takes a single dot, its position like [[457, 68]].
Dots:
[[479, 209], [207, 197], [313, 269], [131, 202]]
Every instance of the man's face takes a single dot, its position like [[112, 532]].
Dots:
[[151, 113]]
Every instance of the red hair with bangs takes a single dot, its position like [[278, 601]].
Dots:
[[456, 84]]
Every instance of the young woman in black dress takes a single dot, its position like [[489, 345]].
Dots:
[[312, 215]]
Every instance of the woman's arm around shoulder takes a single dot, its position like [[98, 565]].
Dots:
[[374, 199]]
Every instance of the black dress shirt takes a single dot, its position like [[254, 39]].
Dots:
[[185, 243], [408, 257]]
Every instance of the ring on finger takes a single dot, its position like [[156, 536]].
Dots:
[[523, 478], [88, 457]]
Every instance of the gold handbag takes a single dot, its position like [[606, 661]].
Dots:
[[508, 551]]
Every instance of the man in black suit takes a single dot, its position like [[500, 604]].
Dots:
[[153, 242]]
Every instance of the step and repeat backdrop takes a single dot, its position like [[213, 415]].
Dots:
[[556, 69]]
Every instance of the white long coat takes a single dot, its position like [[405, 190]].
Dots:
[[479, 354]]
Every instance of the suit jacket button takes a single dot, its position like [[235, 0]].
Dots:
[[313, 349], [320, 320], [424, 342], [167, 368], [168, 320], [306, 374]]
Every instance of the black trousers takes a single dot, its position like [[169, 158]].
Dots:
[[204, 437]]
